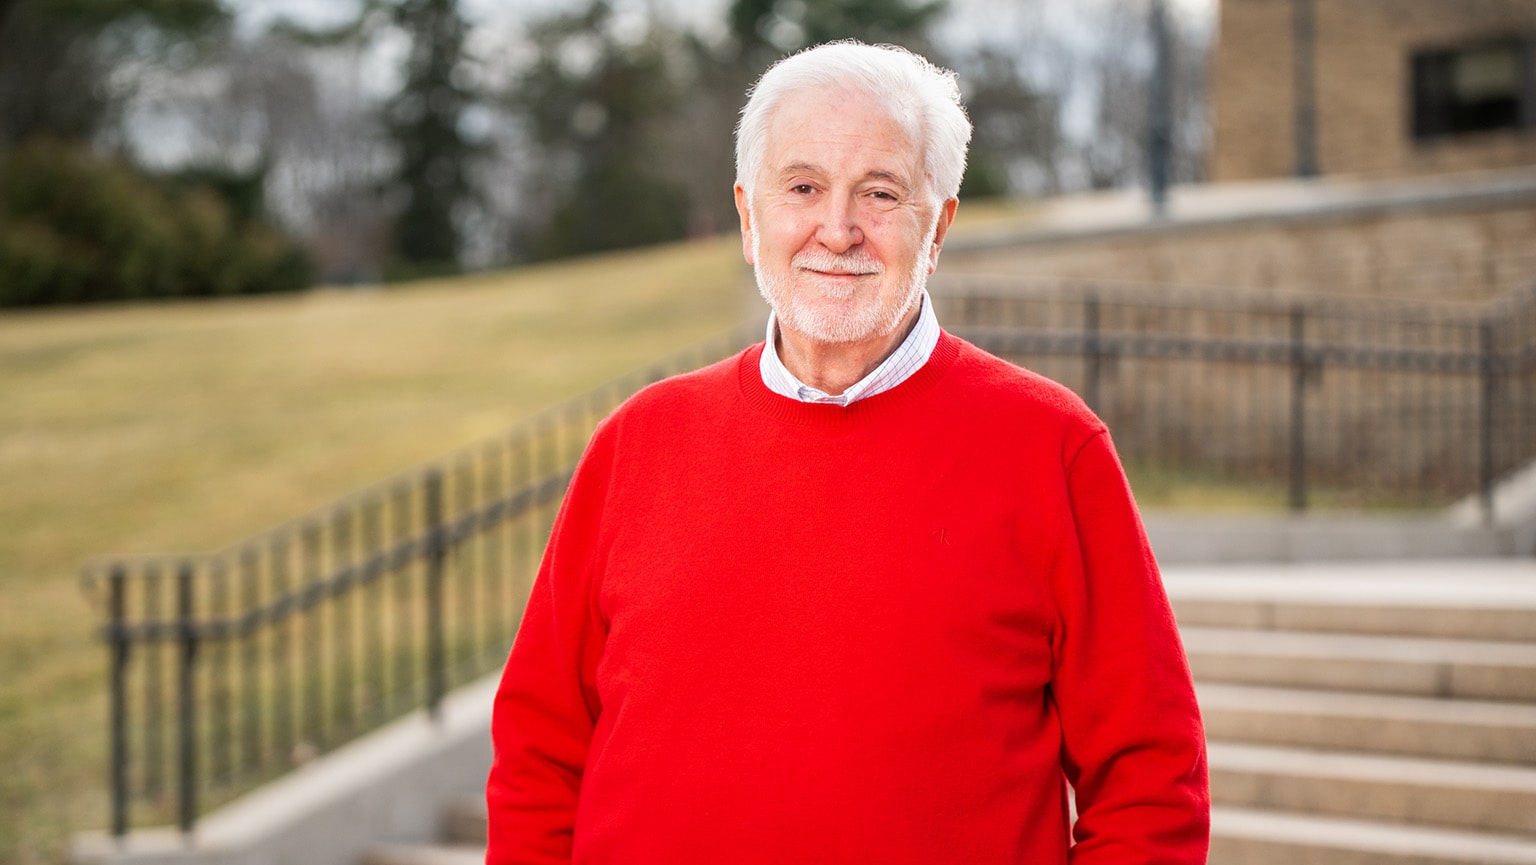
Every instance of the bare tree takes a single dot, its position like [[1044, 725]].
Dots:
[[1121, 65], [296, 112]]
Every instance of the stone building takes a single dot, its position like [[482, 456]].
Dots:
[[1373, 88], [1407, 174], [1415, 202]]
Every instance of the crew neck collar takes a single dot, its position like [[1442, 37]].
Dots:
[[791, 411]]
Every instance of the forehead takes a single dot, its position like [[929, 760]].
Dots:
[[852, 128]]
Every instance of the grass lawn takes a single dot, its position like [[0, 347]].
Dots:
[[168, 427]]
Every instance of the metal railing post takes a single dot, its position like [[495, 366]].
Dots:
[[117, 637], [221, 757], [253, 752], [185, 698], [1093, 354], [283, 738], [437, 553], [312, 667], [1298, 455], [343, 717], [153, 659], [1488, 371]]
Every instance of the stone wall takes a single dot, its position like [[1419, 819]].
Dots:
[[1363, 87], [1372, 435], [1469, 250], [1205, 381]]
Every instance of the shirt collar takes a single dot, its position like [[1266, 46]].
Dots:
[[907, 359]]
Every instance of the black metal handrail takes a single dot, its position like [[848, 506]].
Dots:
[[234, 666], [1379, 397]]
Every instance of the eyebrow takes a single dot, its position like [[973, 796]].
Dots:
[[872, 174]]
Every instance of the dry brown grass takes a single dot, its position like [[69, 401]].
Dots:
[[188, 426]]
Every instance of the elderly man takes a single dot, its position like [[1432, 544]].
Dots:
[[861, 593]]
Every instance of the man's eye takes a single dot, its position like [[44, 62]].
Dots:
[[801, 188]]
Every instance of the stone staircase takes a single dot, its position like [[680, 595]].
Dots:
[[462, 838], [1380, 714], [1368, 714]]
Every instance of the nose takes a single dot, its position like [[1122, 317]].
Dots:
[[839, 229]]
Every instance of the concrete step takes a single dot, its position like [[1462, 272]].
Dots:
[[461, 838], [1414, 791], [1371, 723], [464, 820], [1254, 835], [1240, 836], [424, 854], [1424, 667], [1482, 600]]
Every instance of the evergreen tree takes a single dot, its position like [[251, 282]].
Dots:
[[596, 105], [424, 120], [765, 29], [759, 32], [1015, 122], [77, 227], [1016, 134], [56, 56]]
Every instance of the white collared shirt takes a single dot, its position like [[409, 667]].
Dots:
[[907, 359]]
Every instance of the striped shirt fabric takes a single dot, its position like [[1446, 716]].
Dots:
[[907, 359]]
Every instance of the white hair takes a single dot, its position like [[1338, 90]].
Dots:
[[918, 94]]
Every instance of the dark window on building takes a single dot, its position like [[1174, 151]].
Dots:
[[1474, 88]]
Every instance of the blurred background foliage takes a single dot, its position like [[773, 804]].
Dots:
[[187, 147], [75, 228]]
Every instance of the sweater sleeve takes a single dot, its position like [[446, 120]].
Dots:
[[547, 704], [1133, 746]]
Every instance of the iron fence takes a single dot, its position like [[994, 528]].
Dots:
[[1368, 403], [232, 667]]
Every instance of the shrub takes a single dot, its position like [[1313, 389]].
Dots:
[[77, 228]]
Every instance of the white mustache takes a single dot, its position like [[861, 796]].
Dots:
[[826, 262]]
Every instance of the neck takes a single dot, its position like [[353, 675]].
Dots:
[[833, 367]]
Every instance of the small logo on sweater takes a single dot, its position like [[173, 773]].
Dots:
[[941, 537]]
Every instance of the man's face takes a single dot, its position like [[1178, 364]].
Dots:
[[842, 229]]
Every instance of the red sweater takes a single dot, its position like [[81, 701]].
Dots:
[[775, 632]]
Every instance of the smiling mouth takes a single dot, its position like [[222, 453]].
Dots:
[[836, 267]]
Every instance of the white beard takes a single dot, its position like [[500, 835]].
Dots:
[[866, 321]]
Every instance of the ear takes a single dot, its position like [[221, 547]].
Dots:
[[744, 211], [946, 217]]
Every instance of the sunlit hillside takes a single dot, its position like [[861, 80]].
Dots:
[[188, 426]]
